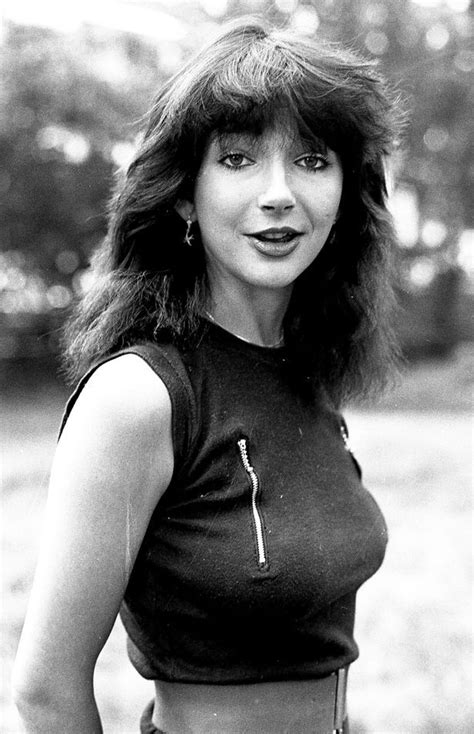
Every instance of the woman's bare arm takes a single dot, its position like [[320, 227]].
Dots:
[[112, 464]]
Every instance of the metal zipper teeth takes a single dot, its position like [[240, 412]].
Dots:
[[257, 518]]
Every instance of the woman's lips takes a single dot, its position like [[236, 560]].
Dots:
[[276, 242], [274, 247]]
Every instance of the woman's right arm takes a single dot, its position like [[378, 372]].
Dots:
[[113, 462]]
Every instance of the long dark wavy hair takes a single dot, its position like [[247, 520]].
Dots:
[[150, 286]]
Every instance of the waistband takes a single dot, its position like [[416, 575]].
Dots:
[[317, 705]]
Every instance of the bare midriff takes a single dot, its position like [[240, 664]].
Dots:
[[296, 707]]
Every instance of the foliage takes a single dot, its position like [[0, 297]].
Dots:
[[57, 134], [70, 105]]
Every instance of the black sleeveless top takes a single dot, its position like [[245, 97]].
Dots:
[[249, 568]]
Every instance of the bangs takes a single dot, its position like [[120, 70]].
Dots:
[[229, 139], [250, 80], [266, 85]]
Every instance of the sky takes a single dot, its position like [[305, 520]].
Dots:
[[117, 14], [128, 15]]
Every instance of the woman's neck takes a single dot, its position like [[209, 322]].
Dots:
[[258, 320], [257, 341]]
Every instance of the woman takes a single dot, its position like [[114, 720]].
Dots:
[[203, 482]]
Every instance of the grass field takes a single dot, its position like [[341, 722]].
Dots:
[[414, 623]]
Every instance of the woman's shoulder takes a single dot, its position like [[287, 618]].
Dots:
[[121, 395], [143, 388], [125, 371], [116, 434]]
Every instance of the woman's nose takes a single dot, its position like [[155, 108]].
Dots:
[[276, 193]]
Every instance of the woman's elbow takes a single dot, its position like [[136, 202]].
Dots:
[[33, 702], [45, 703], [32, 693]]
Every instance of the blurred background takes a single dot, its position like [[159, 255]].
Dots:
[[76, 78]]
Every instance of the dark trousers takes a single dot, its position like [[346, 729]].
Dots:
[[147, 727]]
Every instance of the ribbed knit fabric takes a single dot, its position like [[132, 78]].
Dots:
[[249, 568]]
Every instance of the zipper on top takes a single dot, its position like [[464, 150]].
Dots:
[[256, 513]]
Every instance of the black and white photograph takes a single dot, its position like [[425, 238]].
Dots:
[[236, 366]]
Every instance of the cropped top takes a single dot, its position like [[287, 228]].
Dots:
[[249, 568]]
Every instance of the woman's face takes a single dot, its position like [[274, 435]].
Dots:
[[265, 206]]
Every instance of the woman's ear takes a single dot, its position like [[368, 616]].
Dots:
[[185, 210]]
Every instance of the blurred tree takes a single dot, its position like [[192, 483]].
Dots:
[[69, 113], [67, 122], [426, 52]]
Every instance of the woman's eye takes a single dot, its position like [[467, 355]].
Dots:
[[235, 160], [312, 161]]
